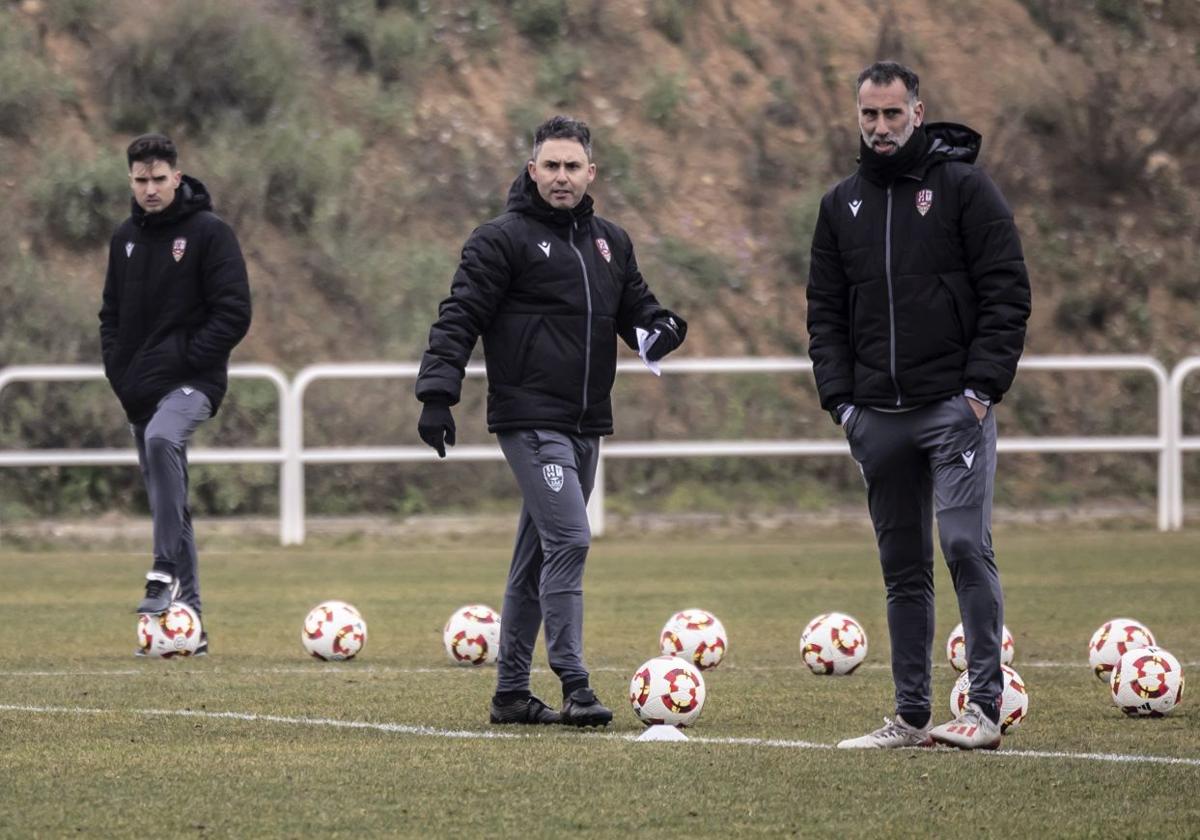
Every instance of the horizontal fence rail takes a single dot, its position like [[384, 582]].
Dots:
[[111, 457], [293, 456]]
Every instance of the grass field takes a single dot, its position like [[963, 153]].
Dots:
[[258, 740]]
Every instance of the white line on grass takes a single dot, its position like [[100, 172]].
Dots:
[[486, 735], [341, 669]]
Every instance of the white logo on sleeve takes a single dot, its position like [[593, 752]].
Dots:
[[545, 246], [854, 205], [969, 458], [553, 474], [128, 249]]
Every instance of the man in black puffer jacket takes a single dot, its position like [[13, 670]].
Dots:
[[176, 302], [917, 304], [549, 286]]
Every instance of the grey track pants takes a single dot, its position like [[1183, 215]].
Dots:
[[937, 459], [555, 472], [162, 455]]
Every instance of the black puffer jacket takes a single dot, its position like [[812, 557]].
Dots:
[[917, 287], [176, 302], [549, 291]]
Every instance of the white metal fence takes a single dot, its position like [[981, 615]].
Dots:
[[1169, 443]]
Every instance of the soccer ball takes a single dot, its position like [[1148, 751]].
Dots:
[[472, 635], [334, 630], [1014, 704], [1112, 640], [667, 689], [1147, 682], [175, 632], [697, 636], [833, 643], [956, 647]]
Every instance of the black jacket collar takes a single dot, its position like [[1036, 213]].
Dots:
[[191, 197], [523, 197], [935, 143]]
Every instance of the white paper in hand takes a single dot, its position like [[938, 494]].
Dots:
[[646, 340]]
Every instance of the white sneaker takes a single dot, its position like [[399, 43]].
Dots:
[[971, 730], [894, 734]]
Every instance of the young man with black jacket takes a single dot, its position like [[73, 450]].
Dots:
[[549, 286], [176, 302], [917, 303]]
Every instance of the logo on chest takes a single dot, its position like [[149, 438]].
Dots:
[[602, 246], [545, 246], [178, 247], [553, 474], [924, 201]]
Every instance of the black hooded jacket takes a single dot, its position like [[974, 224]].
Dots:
[[549, 290], [917, 287], [176, 302]]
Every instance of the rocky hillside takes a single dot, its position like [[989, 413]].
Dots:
[[355, 143]]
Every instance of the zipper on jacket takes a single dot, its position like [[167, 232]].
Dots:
[[587, 341], [887, 262]]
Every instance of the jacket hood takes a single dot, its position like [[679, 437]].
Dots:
[[952, 141], [523, 197], [192, 197]]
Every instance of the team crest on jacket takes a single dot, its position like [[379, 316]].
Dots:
[[553, 474], [129, 249], [178, 247], [924, 201], [604, 252]]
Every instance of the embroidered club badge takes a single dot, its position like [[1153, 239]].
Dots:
[[553, 474], [178, 247], [924, 201], [604, 252]]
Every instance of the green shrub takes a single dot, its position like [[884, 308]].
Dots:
[[75, 16], [539, 20], [1123, 13], [559, 73], [198, 64], [399, 44], [345, 26], [81, 201], [303, 165], [661, 102], [27, 86], [701, 268], [670, 18], [800, 220]]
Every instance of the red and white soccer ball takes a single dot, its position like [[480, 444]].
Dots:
[[472, 635], [667, 689], [334, 631], [1014, 704], [1147, 682], [833, 643], [1112, 640], [695, 635], [956, 647], [175, 632]]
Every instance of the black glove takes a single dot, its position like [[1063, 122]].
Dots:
[[436, 425], [670, 336]]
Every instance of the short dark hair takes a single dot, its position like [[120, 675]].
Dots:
[[562, 128], [885, 72], [152, 147]]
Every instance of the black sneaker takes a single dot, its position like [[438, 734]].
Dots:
[[202, 648], [161, 590], [525, 710], [581, 708]]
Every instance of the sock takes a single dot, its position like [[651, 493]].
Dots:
[[916, 718], [502, 698], [992, 710], [570, 687]]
